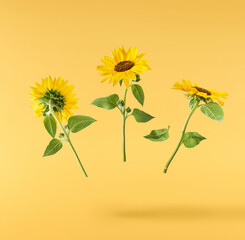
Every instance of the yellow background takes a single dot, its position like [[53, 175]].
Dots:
[[201, 197]]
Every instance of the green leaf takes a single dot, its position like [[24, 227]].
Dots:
[[158, 135], [213, 111], [79, 122], [141, 116], [191, 139], [54, 146], [50, 125], [138, 93], [108, 103]]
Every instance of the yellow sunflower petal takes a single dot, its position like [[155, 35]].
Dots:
[[139, 57], [114, 53], [105, 78], [137, 69], [129, 54], [67, 90], [112, 78], [109, 59], [131, 75], [123, 65], [59, 87], [120, 55], [124, 53], [134, 54], [39, 87], [49, 83], [126, 82], [194, 89]]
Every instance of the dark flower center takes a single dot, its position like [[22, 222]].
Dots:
[[203, 90], [123, 66]]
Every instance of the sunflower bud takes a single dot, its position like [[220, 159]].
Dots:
[[61, 135], [128, 109], [137, 78], [67, 129], [121, 103]]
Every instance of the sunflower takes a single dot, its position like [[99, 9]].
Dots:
[[57, 92], [204, 94], [123, 66]]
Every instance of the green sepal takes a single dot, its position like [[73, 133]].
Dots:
[[191, 139], [213, 111], [193, 101], [50, 125], [137, 77], [109, 102], [79, 122], [54, 146], [158, 135], [138, 93], [43, 100], [67, 129], [141, 116], [120, 82]]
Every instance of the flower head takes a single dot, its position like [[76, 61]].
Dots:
[[55, 92], [202, 93], [124, 65]]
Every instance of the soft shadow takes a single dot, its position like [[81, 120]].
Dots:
[[182, 213]]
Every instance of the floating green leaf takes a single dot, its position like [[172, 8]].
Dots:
[[50, 125], [138, 93], [158, 135], [213, 111], [108, 103], [54, 146], [191, 139], [141, 116], [79, 122]]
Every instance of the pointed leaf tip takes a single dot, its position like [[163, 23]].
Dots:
[[50, 125], [138, 93], [213, 111], [53, 147], [79, 122], [108, 103], [141, 116], [158, 135], [192, 139]]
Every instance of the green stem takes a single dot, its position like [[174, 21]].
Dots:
[[124, 125], [181, 138], [75, 153], [67, 138]]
